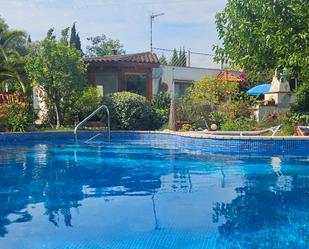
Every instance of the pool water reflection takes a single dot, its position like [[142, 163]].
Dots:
[[127, 194]]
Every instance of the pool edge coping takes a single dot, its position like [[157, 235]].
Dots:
[[190, 134]]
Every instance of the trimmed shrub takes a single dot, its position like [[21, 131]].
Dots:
[[130, 111]]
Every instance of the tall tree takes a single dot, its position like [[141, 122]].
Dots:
[[101, 45], [50, 34], [163, 60], [174, 61], [58, 70], [75, 39], [73, 36], [78, 44], [259, 35], [65, 36], [182, 58]]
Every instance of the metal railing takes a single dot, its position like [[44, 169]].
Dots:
[[90, 116]]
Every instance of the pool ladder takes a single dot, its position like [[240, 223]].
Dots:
[[90, 116]]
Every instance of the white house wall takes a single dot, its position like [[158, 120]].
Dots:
[[170, 74]]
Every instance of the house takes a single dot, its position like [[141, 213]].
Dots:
[[178, 79], [130, 72], [142, 73]]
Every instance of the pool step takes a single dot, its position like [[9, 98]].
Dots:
[[93, 137]]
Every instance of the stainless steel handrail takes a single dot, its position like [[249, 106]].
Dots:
[[90, 116]]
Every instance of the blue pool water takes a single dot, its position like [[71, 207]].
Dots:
[[133, 195]]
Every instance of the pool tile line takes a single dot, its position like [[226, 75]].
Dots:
[[185, 141]]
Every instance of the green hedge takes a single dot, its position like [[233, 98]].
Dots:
[[130, 111]]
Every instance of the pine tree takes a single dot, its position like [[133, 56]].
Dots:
[[183, 58], [50, 34], [29, 39], [64, 36], [163, 60], [174, 60], [179, 62], [78, 43], [73, 37]]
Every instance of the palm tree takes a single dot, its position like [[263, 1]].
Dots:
[[10, 60]]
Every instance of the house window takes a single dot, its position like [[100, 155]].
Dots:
[[181, 87], [137, 83], [108, 81]]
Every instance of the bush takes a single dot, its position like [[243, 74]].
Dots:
[[3, 124], [161, 101], [188, 110], [187, 127], [302, 101], [161, 104], [130, 111], [211, 101], [238, 124], [162, 116], [273, 119], [86, 104], [300, 119], [217, 117], [18, 117]]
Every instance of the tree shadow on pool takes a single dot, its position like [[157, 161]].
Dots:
[[61, 182], [265, 214]]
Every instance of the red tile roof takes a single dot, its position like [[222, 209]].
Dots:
[[146, 57], [230, 76]]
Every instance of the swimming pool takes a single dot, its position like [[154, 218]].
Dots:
[[149, 193]]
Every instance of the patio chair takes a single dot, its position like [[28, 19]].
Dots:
[[302, 130], [274, 130]]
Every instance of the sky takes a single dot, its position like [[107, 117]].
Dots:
[[185, 23]]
